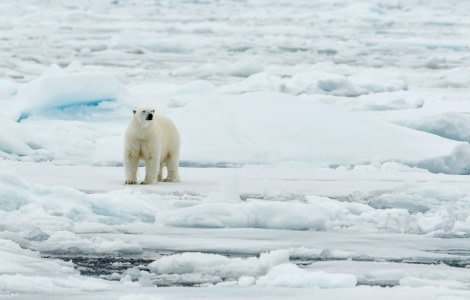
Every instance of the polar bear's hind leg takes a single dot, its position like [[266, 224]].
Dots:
[[160, 173], [172, 164]]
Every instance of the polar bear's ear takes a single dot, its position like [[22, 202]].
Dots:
[[134, 111]]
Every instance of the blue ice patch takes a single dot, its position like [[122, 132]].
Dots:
[[65, 111], [23, 116], [444, 47], [198, 164], [377, 10], [79, 105]]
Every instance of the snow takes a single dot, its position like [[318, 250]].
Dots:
[[325, 150]]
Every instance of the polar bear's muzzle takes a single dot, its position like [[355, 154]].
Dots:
[[149, 117]]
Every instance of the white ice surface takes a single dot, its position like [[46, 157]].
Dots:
[[325, 149]]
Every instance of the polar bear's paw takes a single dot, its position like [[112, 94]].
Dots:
[[171, 180], [148, 182], [172, 177], [130, 182]]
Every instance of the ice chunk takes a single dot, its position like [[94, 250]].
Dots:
[[289, 275], [7, 89], [218, 265], [12, 139], [272, 127], [65, 91], [253, 214], [228, 191]]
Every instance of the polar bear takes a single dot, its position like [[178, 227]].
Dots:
[[154, 139]]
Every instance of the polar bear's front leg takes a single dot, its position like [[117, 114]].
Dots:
[[152, 170], [131, 163]]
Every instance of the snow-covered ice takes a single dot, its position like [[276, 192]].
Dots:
[[325, 150]]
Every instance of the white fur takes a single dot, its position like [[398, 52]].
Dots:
[[155, 141]]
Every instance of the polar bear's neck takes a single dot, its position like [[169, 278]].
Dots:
[[139, 131]]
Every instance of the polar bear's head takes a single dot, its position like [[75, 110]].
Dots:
[[144, 116]]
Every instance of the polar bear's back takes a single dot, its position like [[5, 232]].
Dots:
[[169, 135]]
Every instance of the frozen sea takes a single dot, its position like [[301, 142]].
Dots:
[[325, 149]]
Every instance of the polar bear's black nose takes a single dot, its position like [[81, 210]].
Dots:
[[149, 117]]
